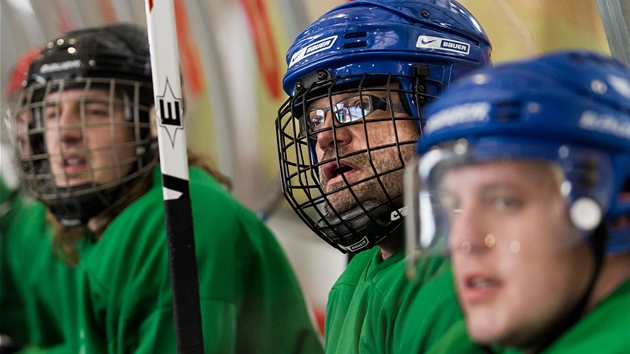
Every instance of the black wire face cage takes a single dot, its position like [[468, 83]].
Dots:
[[358, 132], [82, 144]]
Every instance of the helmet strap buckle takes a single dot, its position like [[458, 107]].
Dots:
[[308, 80]]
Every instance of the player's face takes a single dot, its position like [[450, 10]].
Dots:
[[377, 137], [519, 264], [87, 137]]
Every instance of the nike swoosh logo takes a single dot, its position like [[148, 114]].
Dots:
[[425, 42]]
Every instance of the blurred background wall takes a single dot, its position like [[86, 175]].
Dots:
[[232, 58]]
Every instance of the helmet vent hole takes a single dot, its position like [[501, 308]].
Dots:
[[358, 43], [355, 45], [355, 35]]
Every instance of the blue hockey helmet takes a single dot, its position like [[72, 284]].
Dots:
[[407, 50], [570, 109]]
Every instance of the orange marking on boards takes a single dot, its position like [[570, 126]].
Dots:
[[63, 19], [192, 68], [108, 11], [265, 45]]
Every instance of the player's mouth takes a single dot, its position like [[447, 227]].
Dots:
[[334, 172], [476, 288], [74, 164]]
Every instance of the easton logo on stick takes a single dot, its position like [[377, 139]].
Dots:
[[169, 112]]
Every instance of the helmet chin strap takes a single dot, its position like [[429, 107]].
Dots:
[[598, 245], [75, 209], [364, 226]]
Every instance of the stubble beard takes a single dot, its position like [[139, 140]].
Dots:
[[383, 161]]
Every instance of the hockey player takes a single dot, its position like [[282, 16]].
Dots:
[[88, 155], [358, 79], [524, 180]]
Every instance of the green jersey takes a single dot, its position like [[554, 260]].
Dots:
[[13, 208], [9, 201], [120, 293], [43, 288], [250, 299], [365, 304], [603, 330], [433, 322]]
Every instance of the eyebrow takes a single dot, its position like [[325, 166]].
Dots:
[[489, 187], [54, 101], [510, 187], [497, 185]]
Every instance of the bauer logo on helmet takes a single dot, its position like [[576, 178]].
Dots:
[[316, 47], [55, 67], [465, 113], [442, 44]]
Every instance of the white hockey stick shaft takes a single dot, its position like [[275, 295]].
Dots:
[[174, 165]]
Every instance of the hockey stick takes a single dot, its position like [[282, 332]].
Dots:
[[174, 166]]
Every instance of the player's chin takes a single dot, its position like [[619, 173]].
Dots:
[[340, 202], [333, 189], [68, 180], [71, 183]]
